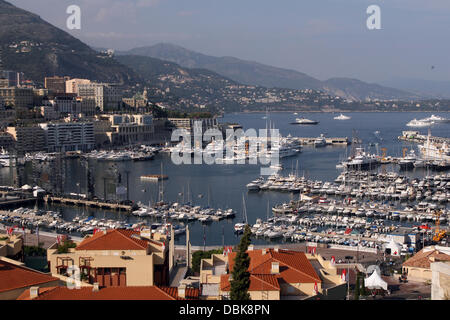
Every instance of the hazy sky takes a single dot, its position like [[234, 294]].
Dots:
[[323, 38]]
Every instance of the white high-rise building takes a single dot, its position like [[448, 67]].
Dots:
[[69, 136]]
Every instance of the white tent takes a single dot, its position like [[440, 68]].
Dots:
[[375, 282], [396, 248]]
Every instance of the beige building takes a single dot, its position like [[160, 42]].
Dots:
[[107, 97], [418, 267], [116, 258], [28, 138], [11, 246], [124, 129], [72, 85], [275, 274], [17, 97], [56, 84]]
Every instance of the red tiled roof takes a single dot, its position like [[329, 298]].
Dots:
[[14, 277], [294, 266], [258, 282], [111, 293], [423, 258], [116, 239]]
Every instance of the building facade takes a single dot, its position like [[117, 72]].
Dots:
[[69, 136], [56, 85], [28, 138], [17, 97], [116, 258]]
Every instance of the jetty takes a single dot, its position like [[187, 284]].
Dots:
[[415, 136], [89, 203]]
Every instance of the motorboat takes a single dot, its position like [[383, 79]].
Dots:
[[342, 117], [305, 121]]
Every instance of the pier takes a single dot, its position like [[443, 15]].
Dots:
[[329, 141], [415, 136], [89, 203]]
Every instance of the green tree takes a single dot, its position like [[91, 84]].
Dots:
[[241, 276], [357, 285]]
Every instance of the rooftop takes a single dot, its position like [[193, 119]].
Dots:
[[14, 276], [111, 293], [428, 255], [116, 239]]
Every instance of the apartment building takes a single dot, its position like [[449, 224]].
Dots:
[[275, 274], [28, 138], [56, 85], [107, 97], [116, 258], [128, 129], [17, 97], [69, 136], [72, 85]]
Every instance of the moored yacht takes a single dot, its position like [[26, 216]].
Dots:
[[342, 117]]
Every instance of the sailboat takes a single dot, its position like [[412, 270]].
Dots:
[[240, 227]]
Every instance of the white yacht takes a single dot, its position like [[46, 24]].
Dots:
[[305, 121], [361, 160], [320, 141], [434, 118], [408, 161], [342, 117], [419, 123]]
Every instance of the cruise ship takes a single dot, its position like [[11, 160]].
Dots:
[[342, 117]]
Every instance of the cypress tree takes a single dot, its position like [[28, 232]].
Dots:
[[241, 276], [357, 287]]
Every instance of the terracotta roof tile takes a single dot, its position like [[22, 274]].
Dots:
[[423, 258], [258, 282], [294, 266], [111, 293], [14, 277], [116, 239]]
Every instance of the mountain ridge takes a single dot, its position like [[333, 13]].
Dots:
[[255, 73]]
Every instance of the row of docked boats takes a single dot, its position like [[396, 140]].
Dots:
[[121, 155], [53, 221], [183, 212], [421, 212], [358, 184], [245, 148]]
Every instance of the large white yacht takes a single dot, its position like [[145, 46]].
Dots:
[[361, 160], [320, 141], [342, 117], [419, 123], [305, 121], [434, 118]]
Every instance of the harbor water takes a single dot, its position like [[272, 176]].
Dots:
[[222, 186]]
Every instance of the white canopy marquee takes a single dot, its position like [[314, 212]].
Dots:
[[375, 282]]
